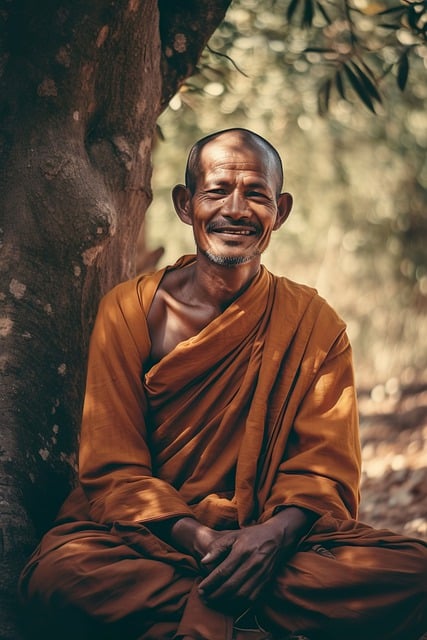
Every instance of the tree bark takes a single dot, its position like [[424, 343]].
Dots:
[[81, 87]]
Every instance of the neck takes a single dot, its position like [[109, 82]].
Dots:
[[219, 285]]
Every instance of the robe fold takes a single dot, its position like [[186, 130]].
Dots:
[[254, 413], [206, 431]]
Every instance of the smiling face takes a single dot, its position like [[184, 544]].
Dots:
[[235, 205]]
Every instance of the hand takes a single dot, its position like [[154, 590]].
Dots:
[[242, 562], [191, 536], [187, 534]]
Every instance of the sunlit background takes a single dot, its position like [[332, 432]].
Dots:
[[358, 228]]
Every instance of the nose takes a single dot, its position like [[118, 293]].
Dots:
[[235, 205]]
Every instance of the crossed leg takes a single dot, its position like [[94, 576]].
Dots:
[[82, 574], [352, 581], [347, 580]]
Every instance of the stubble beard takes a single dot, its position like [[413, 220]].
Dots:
[[229, 261]]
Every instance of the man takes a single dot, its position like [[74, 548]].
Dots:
[[219, 455]]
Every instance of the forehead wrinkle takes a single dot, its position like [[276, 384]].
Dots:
[[225, 178], [230, 167], [262, 162], [245, 171], [234, 165]]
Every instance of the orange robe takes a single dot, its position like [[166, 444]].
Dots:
[[256, 412]]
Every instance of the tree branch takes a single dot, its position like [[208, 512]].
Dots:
[[185, 28]]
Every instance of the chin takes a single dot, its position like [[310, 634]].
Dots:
[[228, 261]]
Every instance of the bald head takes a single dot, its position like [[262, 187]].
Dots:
[[242, 138]]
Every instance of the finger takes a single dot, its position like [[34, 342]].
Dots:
[[226, 580], [246, 581], [220, 574], [246, 593], [218, 550], [232, 590], [251, 589]]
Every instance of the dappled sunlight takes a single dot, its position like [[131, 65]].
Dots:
[[394, 455]]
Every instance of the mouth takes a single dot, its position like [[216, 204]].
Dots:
[[234, 230]]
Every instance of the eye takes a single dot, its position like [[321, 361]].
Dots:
[[256, 194], [217, 192]]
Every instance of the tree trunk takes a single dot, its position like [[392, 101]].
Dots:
[[82, 85]]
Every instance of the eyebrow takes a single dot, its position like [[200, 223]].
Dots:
[[259, 184]]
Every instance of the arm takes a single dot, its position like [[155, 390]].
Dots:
[[114, 459], [187, 534], [320, 466]]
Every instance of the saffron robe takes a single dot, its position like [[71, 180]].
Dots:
[[255, 412]]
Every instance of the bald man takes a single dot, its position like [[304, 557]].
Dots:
[[219, 459]]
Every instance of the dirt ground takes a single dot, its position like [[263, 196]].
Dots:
[[394, 450]]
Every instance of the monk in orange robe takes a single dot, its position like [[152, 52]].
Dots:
[[219, 459]]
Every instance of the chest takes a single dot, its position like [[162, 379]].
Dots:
[[171, 321]]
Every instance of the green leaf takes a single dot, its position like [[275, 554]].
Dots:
[[323, 97], [413, 17], [308, 14], [318, 50], [386, 25], [403, 70], [359, 88], [323, 12], [367, 82], [291, 9], [368, 69], [391, 10], [340, 85]]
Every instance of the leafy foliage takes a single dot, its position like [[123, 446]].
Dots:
[[358, 44], [363, 43]]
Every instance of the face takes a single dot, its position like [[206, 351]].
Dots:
[[235, 206]]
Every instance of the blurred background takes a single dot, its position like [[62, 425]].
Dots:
[[359, 226]]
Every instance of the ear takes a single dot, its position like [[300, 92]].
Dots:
[[181, 197], [284, 206]]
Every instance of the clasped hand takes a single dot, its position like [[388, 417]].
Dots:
[[240, 562]]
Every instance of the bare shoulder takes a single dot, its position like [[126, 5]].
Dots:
[[169, 292], [168, 319]]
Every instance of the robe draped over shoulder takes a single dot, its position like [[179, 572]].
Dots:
[[255, 412]]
